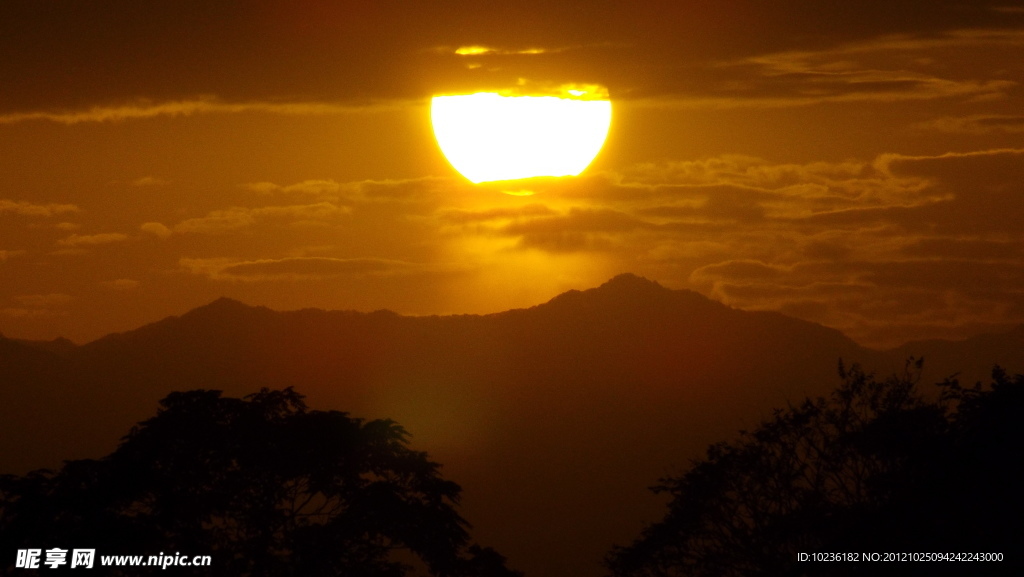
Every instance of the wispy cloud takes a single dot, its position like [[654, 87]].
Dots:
[[237, 218], [300, 268], [976, 124], [78, 240], [207, 105], [476, 50], [31, 209], [318, 188], [882, 248], [156, 229], [894, 68], [884, 270], [502, 214], [150, 181]]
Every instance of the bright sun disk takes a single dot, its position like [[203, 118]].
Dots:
[[488, 136]]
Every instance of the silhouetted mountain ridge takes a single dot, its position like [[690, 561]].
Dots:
[[970, 359], [59, 345], [628, 291], [554, 418]]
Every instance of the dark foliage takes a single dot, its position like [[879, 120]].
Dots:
[[876, 467], [262, 485]]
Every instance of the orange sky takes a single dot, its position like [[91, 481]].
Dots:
[[860, 166]]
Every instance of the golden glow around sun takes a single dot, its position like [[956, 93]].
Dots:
[[489, 136]]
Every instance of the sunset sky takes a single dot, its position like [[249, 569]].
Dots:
[[858, 164]]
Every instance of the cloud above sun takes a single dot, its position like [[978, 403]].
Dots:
[[718, 58]]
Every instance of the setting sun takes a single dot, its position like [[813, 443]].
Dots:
[[488, 136], [423, 215]]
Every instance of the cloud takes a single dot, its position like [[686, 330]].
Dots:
[[983, 187], [579, 219], [280, 59], [877, 302], [976, 124], [30, 209], [156, 229], [177, 108], [879, 248], [38, 306], [882, 248], [237, 218], [856, 86], [779, 189], [891, 162], [149, 181], [680, 208], [318, 188], [486, 50], [262, 187], [888, 68], [462, 216], [737, 270], [940, 247], [78, 240], [429, 189], [300, 268], [219, 221]]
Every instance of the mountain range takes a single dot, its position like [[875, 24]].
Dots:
[[554, 419]]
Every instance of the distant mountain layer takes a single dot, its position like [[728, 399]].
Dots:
[[554, 419]]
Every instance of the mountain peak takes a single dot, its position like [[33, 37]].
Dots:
[[626, 289], [222, 310], [225, 302], [630, 282], [219, 307]]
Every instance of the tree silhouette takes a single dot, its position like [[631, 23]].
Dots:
[[876, 467], [263, 485]]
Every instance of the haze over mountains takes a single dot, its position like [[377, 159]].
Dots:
[[554, 419]]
